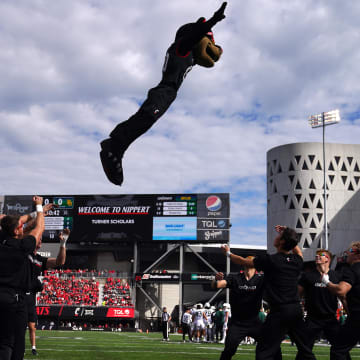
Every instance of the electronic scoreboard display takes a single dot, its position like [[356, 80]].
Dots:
[[60, 217], [110, 218]]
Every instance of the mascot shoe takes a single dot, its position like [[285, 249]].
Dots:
[[111, 160]]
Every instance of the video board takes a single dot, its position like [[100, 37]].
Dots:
[[107, 218]]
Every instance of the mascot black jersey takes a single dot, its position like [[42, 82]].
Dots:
[[194, 45]]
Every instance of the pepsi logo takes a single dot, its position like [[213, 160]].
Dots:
[[213, 203]]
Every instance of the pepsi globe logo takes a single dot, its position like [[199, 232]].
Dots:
[[213, 203]]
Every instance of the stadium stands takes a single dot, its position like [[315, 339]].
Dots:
[[81, 287], [117, 292], [69, 291]]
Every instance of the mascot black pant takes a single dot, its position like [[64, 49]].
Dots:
[[348, 337], [158, 101], [314, 328], [186, 329], [285, 319], [237, 331], [13, 325]]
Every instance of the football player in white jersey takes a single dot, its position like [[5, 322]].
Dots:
[[186, 324], [227, 311], [193, 330], [198, 320], [209, 322]]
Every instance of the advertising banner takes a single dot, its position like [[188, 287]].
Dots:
[[47, 310], [18, 205], [84, 312], [157, 277], [120, 313], [186, 277], [198, 277]]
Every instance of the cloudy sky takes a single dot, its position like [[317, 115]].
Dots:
[[71, 70]]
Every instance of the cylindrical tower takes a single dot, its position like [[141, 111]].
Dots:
[[295, 194]]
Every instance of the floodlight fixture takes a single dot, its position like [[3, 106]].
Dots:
[[322, 120]]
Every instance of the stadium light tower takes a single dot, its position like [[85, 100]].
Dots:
[[322, 120]]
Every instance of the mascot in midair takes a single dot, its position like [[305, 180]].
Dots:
[[194, 45]]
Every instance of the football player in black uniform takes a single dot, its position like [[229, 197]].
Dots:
[[15, 279], [281, 273], [348, 287], [194, 44], [40, 264], [246, 292], [320, 304]]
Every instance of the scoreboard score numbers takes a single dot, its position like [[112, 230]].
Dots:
[[58, 218], [111, 218]]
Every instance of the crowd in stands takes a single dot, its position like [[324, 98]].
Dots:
[[81, 287], [117, 293], [69, 291]]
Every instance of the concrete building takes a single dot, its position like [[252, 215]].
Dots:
[[295, 195]]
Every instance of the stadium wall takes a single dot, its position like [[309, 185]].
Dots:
[[106, 260]]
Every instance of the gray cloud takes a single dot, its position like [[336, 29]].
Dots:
[[72, 70]]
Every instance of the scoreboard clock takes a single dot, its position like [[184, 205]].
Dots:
[[60, 217]]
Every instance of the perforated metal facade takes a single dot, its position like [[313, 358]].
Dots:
[[295, 195]]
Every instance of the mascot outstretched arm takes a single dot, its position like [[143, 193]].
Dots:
[[194, 44]]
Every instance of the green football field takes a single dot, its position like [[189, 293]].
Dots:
[[69, 345]]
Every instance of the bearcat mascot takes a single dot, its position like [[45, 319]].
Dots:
[[194, 44]]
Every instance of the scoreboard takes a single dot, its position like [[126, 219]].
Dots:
[[60, 217], [181, 205], [113, 218]]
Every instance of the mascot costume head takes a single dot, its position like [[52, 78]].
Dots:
[[206, 52]]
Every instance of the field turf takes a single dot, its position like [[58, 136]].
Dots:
[[69, 345]]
